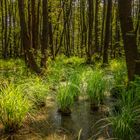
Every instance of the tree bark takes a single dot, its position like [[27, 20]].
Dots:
[[129, 36], [90, 30], [27, 43], [107, 32], [45, 31]]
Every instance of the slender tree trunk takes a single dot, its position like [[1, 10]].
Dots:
[[129, 36], [44, 46], [107, 32], [90, 30], [5, 32], [97, 28], [34, 26], [103, 27], [27, 43]]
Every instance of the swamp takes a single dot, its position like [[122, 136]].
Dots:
[[69, 70]]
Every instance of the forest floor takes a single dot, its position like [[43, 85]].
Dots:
[[48, 124], [45, 123]]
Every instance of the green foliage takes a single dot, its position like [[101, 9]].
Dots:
[[135, 85], [56, 70], [14, 106], [36, 89], [64, 97], [74, 61], [11, 64], [123, 122], [75, 83], [11, 69], [62, 68], [96, 86], [118, 67]]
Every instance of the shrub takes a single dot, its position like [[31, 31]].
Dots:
[[14, 107]]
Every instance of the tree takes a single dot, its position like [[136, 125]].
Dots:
[[129, 36], [44, 45], [26, 38], [107, 32], [97, 29], [90, 30]]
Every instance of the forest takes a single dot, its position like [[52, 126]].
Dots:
[[69, 69]]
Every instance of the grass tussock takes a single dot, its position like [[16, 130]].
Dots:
[[96, 87], [14, 106], [65, 98]]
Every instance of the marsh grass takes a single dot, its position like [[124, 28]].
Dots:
[[70, 78], [65, 99], [124, 121], [37, 90], [118, 68], [14, 106], [75, 83], [96, 87], [123, 124]]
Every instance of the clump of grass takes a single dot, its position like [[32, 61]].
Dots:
[[11, 69], [75, 83], [65, 99], [37, 90], [56, 70], [74, 61], [14, 106], [127, 116], [96, 86], [135, 86], [118, 67], [123, 124]]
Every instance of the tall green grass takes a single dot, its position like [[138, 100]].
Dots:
[[75, 82], [14, 106], [65, 99], [119, 70], [36, 89], [125, 120], [123, 124], [62, 68], [96, 87]]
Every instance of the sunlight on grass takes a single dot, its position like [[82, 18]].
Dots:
[[67, 79], [36, 89], [96, 87], [118, 68], [64, 98], [14, 106]]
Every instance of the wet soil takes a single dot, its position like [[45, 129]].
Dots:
[[49, 124]]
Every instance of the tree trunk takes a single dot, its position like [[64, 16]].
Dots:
[[107, 32], [129, 36], [45, 31], [90, 30], [27, 43]]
